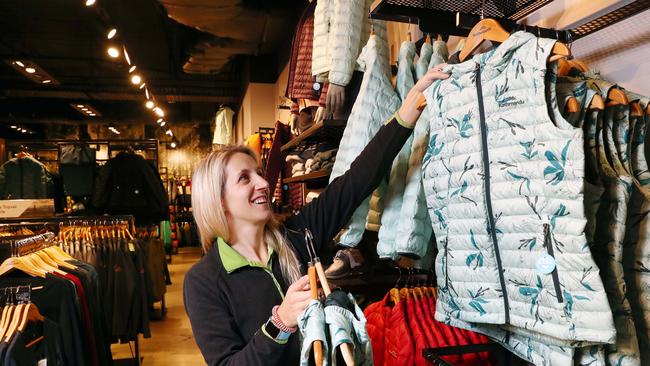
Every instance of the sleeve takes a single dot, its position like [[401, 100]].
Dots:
[[343, 42], [326, 215], [101, 195], [216, 332]]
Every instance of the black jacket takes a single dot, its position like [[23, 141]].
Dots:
[[23, 178], [128, 184], [227, 310]]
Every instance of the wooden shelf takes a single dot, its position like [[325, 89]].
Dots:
[[311, 176], [327, 130]]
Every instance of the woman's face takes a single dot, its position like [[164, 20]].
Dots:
[[246, 191]]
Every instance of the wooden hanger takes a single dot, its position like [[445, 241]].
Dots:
[[427, 39], [563, 67], [597, 102], [635, 109], [15, 321], [30, 314], [485, 30], [616, 96], [313, 286], [579, 65], [647, 110], [19, 263], [572, 105]]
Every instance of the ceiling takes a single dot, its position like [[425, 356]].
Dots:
[[193, 54]]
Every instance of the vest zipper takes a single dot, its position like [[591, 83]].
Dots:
[[488, 196], [554, 275]]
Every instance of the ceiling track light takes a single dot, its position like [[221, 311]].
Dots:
[[149, 104], [163, 123], [126, 55], [32, 71], [132, 69], [159, 112], [90, 2], [113, 52], [19, 63], [136, 79], [111, 33], [86, 110], [170, 133]]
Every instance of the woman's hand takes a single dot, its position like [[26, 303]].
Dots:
[[295, 302], [409, 112]]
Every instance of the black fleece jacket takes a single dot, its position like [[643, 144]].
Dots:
[[227, 310]]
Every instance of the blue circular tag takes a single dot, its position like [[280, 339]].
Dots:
[[545, 264]]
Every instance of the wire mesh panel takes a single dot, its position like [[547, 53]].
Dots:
[[489, 8], [611, 18]]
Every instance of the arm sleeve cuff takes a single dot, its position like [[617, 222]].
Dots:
[[399, 120], [263, 328]]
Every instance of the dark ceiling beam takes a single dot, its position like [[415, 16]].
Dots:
[[4, 120], [82, 95]]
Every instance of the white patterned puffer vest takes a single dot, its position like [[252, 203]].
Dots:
[[504, 193]]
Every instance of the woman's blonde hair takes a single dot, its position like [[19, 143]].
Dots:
[[208, 190]]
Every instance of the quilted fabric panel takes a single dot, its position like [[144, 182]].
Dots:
[[422, 65], [375, 103], [396, 182], [536, 178]]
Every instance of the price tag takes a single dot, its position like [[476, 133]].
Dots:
[[131, 247]]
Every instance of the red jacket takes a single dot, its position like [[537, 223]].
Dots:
[[301, 82]]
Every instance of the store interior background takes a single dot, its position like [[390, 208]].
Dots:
[[195, 59]]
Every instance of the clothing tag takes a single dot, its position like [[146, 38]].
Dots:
[[316, 86], [545, 264], [42, 362], [131, 247]]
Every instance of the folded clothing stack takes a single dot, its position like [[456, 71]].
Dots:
[[322, 161], [297, 165]]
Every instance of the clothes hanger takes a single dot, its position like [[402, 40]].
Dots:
[[572, 105], [597, 102], [647, 110], [427, 39], [635, 109], [313, 286], [394, 292], [616, 96]]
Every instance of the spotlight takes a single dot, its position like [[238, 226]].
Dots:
[[163, 123], [92, 114], [80, 106], [159, 112], [142, 85], [19, 63], [111, 33], [126, 56], [30, 70], [170, 133], [13, 126], [136, 79], [149, 104], [113, 52], [159, 120], [173, 144], [46, 81], [90, 2], [146, 93], [132, 69]]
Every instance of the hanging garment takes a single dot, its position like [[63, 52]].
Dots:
[[223, 126], [414, 231], [609, 236], [510, 256], [341, 29], [276, 157], [301, 83], [439, 54], [128, 184], [311, 324], [25, 178], [637, 240], [77, 168], [397, 179], [346, 326], [422, 65], [376, 102]]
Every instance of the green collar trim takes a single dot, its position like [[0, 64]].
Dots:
[[233, 261]]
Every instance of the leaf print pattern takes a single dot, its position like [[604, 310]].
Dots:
[[568, 303], [580, 90], [533, 293], [474, 257], [583, 280], [512, 126], [478, 300], [460, 190], [499, 94], [533, 205], [519, 67], [528, 146], [557, 165], [463, 126], [530, 243], [441, 219], [560, 212], [524, 180], [432, 149]]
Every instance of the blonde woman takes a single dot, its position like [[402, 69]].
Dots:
[[244, 296]]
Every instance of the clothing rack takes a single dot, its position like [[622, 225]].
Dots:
[[23, 246], [458, 17], [55, 223], [433, 355]]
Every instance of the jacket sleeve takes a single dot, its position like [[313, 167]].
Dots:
[[326, 215], [215, 331], [343, 41]]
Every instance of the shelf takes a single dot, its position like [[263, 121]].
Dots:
[[327, 130], [311, 176]]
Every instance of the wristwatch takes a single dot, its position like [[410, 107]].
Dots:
[[274, 332]]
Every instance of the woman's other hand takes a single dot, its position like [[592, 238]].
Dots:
[[409, 112], [295, 302]]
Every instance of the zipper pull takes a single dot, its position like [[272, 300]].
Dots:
[[547, 235]]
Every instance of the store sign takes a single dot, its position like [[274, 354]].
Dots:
[[26, 208]]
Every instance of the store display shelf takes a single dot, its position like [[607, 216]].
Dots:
[[326, 130], [307, 177]]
